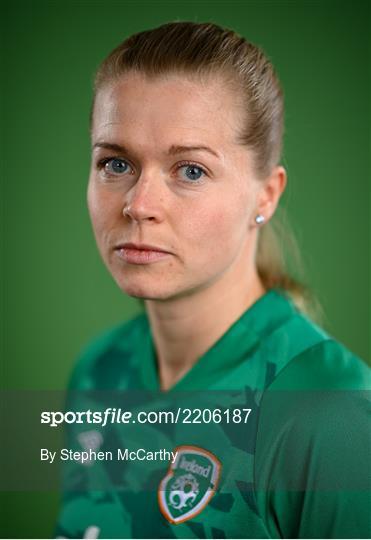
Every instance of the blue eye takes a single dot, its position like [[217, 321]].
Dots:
[[115, 166], [193, 172]]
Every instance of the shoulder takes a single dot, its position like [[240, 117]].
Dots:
[[312, 357], [112, 345], [320, 400], [301, 354], [327, 364], [313, 445], [320, 397]]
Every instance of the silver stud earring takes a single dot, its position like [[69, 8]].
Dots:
[[259, 219]]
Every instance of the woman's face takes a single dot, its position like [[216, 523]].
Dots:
[[167, 172]]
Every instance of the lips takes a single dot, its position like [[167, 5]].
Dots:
[[141, 247], [140, 253]]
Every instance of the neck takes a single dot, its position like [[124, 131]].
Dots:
[[184, 328]]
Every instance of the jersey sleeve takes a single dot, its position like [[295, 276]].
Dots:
[[82, 507], [312, 461], [85, 365]]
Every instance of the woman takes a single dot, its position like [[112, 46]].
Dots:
[[186, 131]]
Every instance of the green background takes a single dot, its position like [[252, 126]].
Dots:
[[56, 294]]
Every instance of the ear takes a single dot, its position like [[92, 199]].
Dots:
[[270, 192]]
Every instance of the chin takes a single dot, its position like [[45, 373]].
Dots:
[[144, 291], [159, 286]]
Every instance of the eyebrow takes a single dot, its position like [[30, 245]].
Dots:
[[174, 149]]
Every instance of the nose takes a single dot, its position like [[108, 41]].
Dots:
[[144, 200]]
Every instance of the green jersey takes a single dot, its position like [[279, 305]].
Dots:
[[265, 437]]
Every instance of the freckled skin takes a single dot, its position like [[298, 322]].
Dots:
[[209, 227]]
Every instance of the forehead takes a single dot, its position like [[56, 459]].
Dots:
[[167, 107]]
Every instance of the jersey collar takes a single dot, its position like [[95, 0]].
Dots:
[[233, 349]]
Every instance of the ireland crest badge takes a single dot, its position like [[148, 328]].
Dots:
[[189, 484]]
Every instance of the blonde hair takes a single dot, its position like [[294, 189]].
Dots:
[[204, 49]]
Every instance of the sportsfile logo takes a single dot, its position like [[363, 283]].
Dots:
[[189, 484]]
